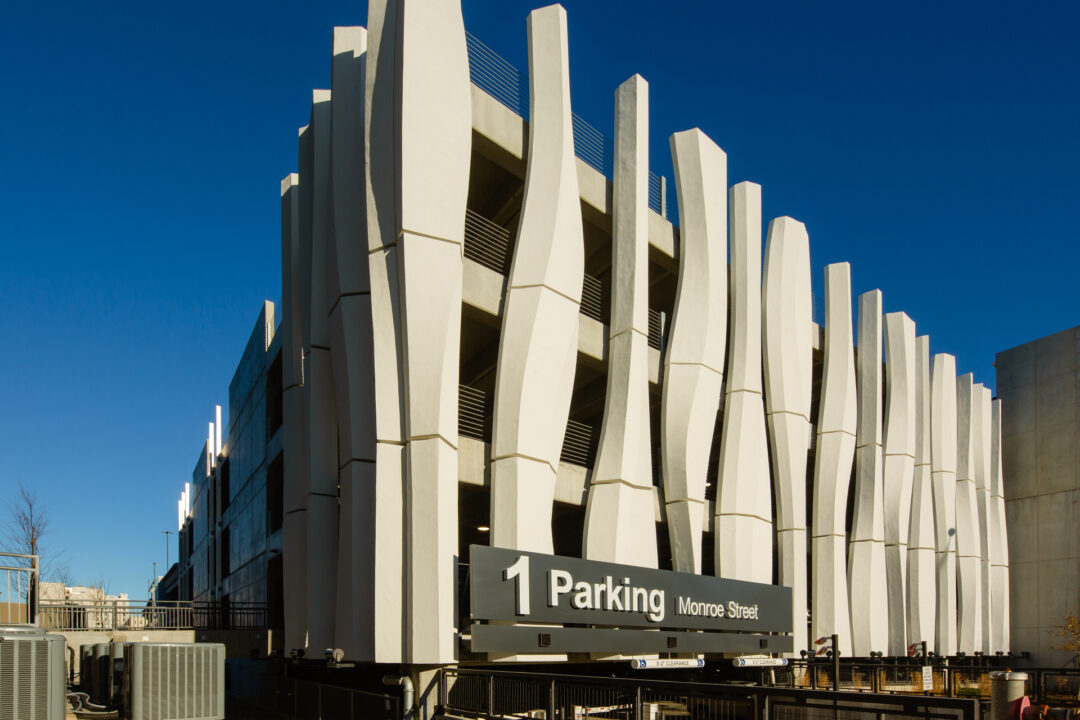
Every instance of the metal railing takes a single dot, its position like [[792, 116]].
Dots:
[[487, 243], [579, 446], [110, 614], [19, 585], [263, 691], [958, 678], [474, 414], [510, 86], [592, 298], [501, 694]]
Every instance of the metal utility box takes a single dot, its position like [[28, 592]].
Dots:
[[174, 681]]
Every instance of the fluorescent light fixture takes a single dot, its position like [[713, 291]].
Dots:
[[483, 528]]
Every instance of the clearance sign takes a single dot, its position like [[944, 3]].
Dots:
[[621, 607]]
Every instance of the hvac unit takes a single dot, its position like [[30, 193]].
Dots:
[[114, 673], [174, 681], [86, 668], [99, 674], [32, 683]]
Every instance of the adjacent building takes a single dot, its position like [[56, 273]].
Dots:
[[1039, 386], [230, 515]]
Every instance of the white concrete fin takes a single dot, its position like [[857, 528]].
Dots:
[[619, 522], [968, 542], [294, 433], [694, 358], [743, 534], [430, 69], [899, 436], [320, 394], [289, 182], [539, 335], [386, 496], [347, 271], [921, 571], [787, 327], [984, 502], [352, 346], [866, 552], [999, 546], [217, 431], [836, 424], [349, 40], [943, 466]]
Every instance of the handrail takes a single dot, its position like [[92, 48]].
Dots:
[[19, 589], [119, 614]]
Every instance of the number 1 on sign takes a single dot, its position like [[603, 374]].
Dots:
[[519, 572]]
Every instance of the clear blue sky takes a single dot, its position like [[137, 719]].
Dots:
[[933, 145]]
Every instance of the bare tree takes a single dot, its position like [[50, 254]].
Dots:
[[28, 522]]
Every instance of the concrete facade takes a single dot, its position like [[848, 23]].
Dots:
[[1039, 416], [475, 349]]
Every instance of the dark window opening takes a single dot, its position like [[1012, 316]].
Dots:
[[223, 485], [275, 500], [273, 397]]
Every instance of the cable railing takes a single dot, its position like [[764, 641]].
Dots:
[[486, 243], [510, 86], [578, 447], [489, 244], [474, 415]]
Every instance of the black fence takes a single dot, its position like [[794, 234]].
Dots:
[[486, 694], [959, 677], [256, 690]]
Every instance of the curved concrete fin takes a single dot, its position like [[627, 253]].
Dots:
[[539, 336], [899, 437], [319, 391], [351, 346], [999, 546], [921, 572], [866, 552], [432, 143], [694, 360], [984, 503], [835, 452], [294, 490], [620, 522], [943, 467], [787, 328], [743, 534], [968, 542], [383, 602]]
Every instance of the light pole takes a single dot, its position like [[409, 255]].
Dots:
[[167, 533]]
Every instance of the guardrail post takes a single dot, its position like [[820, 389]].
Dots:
[[551, 701], [836, 662], [491, 694]]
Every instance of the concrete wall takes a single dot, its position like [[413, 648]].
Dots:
[[1037, 384]]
